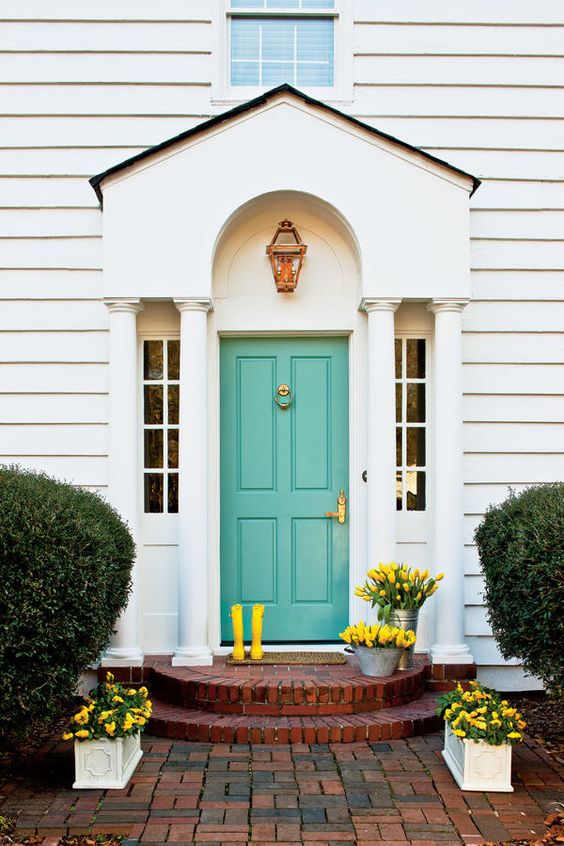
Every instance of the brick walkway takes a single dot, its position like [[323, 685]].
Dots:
[[397, 792]]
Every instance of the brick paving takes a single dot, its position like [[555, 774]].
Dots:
[[397, 792]]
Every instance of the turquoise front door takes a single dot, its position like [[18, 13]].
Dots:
[[282, 469]]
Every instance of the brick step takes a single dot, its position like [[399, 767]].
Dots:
[[288, 690], [208, 727]]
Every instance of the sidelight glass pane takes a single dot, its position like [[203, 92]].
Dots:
[[398, 404], [173, 359], [153, 493], [415, 358], [415, 490], [153, 448], [173, 493], [174, 404], [153, 404], [153, 360], [399, 490], [415, 447], [398, 446], [398, 351], [416, 403], [173, 448]]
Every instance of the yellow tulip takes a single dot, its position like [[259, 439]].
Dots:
[[439, 577]]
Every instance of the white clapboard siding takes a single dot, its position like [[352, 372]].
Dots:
[[38, 378], [513, 317], [467, 40], [530, 408], [102, 36], [53, 314], [105, 67], [471, 561], [47, 223], [476, 622], [54, 346], [82, 162], [470, 524], [522, 468], [51, 439], [493, 133], [474, 590], [523, 379], [434, 70], [120, 10], [454, 100], [513, 347], [507, 164], [445, 11], [517, 224], [514, 437], [51, 252], [517, 284], [86, 131], [485, 651], [519, 194], [103, 99], [478, 498], [90, 470], [50, 284], [512, 255], [44, 192], [54, 408]]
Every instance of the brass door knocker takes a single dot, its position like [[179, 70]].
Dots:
[[283, 396]]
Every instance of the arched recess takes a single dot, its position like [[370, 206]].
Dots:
[[332, 266], [326, 302]]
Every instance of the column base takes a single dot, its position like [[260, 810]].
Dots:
[[122, 657], [456, 653], [192, 656]]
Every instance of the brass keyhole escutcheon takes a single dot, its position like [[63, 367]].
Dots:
[[283, 396]]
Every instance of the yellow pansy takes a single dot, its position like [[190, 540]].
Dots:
[[459, 732], [82, 733], [67, 735]]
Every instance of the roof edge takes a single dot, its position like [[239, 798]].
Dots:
[[256, 102]]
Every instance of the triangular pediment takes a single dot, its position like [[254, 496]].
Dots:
[[317, 109]]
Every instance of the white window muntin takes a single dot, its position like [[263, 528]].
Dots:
[[340, 11]]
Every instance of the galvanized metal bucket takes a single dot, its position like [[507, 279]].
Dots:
[[405, 620], [376, 661]]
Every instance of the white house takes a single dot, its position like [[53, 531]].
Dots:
[[148, 153]]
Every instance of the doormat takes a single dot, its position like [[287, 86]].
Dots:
[[292, 658]]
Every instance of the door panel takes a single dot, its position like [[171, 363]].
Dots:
[[281, 471]]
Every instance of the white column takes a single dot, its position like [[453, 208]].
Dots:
[[449, 646], [381, 447], [193, 571], [125, 648]]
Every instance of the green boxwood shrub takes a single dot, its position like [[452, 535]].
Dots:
[[65, 563], [521, 547]]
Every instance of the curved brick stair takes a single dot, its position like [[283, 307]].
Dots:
[[207, 726], [291, 703]]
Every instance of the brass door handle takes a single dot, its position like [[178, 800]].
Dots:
[[341, 513]]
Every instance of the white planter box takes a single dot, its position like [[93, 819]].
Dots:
[[478, 766], [106, 763]]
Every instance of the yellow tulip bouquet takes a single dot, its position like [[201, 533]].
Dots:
[[480, 714], [378, 637], [397, 586], [110, 710]]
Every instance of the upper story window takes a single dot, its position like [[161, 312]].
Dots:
[[265, 43], [267, 51]]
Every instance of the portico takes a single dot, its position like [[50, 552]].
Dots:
[[387, 227]]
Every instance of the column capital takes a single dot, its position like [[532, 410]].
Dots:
[[369, 304], [446, 304], [204, 304], [132, 305]]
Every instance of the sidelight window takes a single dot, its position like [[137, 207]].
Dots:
[[411, 423], [161, 398]]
